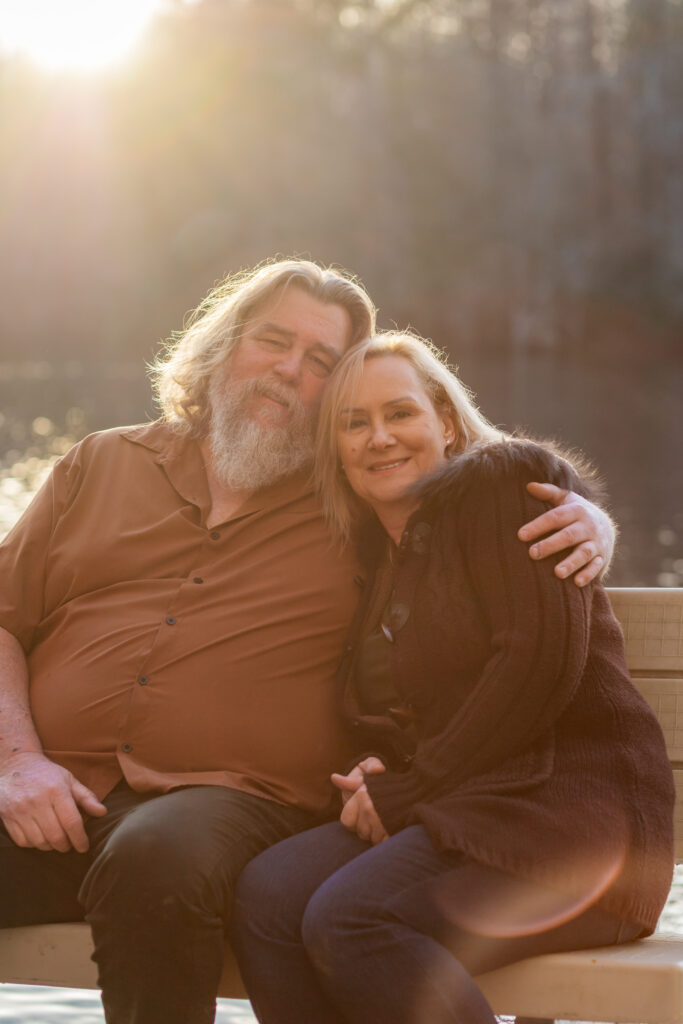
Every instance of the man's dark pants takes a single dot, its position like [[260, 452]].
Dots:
[[156, 888]]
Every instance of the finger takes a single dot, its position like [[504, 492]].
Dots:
[[71, 821], [87, 799], [16, 833], [350, 814], [378, 832], [372, 766], [33, 835], [568, 537], [590, 572], [577, 559], [547, 492], [553, 519], [347, 782], [54, 835], [349, 817]]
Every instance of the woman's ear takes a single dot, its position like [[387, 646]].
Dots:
[[449, 431]]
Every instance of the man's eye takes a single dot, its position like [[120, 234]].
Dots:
[[273, 342], [320, 365]]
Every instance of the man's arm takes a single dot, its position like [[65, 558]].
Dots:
[[39, 800], [577, 523]]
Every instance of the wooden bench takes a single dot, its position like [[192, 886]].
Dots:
[[640, 982]]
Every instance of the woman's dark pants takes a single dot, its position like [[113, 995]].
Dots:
[[329, 930], [156, 888]]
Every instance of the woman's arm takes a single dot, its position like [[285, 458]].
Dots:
[[539, 631]]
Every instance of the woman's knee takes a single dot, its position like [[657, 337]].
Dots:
[[331, 925]]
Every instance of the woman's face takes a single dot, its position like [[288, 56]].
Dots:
[[390, 436]]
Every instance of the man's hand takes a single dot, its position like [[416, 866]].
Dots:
[[39, 804], [577, 523], [359, 814]]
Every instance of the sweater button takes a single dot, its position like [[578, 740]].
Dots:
[[420, 538]]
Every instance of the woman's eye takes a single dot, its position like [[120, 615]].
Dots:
[[400, 414]]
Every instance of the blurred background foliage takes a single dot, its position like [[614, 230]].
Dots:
[[504, 175]]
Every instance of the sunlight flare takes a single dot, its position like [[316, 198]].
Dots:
[[79, 35]]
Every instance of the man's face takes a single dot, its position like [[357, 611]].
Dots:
[[291, 345]]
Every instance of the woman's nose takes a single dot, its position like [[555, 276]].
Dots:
[[381, 437]]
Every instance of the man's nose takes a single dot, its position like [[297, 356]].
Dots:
[[289, 365]]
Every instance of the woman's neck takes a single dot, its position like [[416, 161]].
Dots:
[[394, 521]]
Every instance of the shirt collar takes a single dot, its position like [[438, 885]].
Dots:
[[182, 461]]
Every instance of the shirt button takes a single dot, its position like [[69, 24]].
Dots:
[[143, 680], [215, 535], [126, 748], [170, 621], [197, 579]]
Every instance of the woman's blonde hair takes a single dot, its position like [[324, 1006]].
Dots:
[[182, 373], [446, 391]]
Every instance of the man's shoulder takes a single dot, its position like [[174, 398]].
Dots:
[[156, 436]]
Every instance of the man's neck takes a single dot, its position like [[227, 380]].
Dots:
[[225, 501]]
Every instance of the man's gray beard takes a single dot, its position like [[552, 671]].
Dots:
[[249, 454]]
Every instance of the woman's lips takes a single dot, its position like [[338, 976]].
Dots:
[[384, 467]]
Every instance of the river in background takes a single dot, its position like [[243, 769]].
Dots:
[[628, 419]]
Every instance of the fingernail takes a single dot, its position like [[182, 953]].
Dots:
[[534, 551], [523, 533], [561, 571]]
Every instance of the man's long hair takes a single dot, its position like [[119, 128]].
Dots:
[[183, 371]]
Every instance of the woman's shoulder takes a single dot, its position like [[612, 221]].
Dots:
[[512, 461]]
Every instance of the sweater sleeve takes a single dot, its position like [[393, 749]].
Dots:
[[538, 629]]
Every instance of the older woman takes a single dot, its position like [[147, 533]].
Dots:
[[512, 793]]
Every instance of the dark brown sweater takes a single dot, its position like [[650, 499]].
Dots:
[[535, 752]]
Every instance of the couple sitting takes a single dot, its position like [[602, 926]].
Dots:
[[172, 612]]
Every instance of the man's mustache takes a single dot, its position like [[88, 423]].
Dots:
[[275, 390]]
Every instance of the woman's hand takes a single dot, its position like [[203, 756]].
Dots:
[[577, 523], [359, 814], [368, 766]]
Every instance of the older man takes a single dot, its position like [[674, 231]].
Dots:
[[171, 615]]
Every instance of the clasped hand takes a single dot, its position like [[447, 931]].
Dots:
[[359, 814]]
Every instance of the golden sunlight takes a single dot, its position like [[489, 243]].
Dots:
[[78, 35]]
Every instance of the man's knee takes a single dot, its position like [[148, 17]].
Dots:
[[152, 860]]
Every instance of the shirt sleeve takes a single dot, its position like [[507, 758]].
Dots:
[[25, 550], [539, 632]]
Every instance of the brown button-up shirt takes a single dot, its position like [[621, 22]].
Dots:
[[168, 653]]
